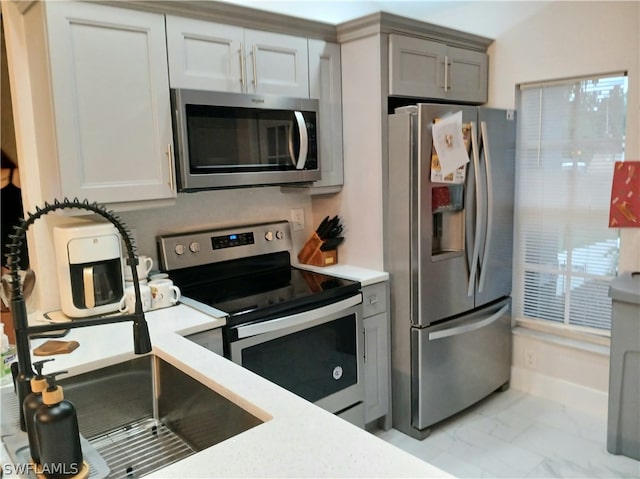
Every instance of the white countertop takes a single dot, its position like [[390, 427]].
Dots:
[[365, 276], [297, 438]]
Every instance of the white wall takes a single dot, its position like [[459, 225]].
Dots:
[[360, 202], [569, 39]]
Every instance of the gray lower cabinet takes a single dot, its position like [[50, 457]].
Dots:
[[377, 354]]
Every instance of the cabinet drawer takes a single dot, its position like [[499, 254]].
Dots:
[[374, 299]]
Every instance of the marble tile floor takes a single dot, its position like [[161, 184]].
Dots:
[[516, 435]]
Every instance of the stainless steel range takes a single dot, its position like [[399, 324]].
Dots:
[[300, 329]]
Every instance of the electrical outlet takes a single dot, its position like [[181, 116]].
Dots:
[[530, 359], [297, 219]]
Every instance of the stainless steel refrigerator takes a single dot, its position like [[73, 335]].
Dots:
[[448, 249]]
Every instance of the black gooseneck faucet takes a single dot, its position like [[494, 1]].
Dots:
[[141, 339]]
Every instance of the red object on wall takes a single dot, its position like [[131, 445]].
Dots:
[[624, 211]]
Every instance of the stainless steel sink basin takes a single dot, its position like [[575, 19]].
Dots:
[[144, 414]]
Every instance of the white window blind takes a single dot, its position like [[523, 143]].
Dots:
[[570, 133]]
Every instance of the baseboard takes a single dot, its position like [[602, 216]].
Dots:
[[570, 394]]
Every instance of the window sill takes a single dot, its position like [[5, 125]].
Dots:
[[562, 336]]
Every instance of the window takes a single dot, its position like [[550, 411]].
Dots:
[[570, 133]]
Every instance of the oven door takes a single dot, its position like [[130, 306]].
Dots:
[[316, 354]]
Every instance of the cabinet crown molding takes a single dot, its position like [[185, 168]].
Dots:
[[232, 14], [380, 22], [383, 22]]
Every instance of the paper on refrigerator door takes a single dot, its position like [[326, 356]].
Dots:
[[448, 141]]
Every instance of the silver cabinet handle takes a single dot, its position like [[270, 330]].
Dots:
[[255, 67], [170, 157], [489, 196], [243, 68], [304, 140], [476, 244], [373, 299], [446, 73], [87, 280], [284, 322], [467, 328]]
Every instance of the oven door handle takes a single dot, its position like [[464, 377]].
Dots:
[[298, 318]]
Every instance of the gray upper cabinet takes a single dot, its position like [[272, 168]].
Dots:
[[212, 56], [325, 85], [427, 69]]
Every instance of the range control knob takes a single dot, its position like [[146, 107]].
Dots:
[[179, 249], [279, 234], [268, 236], [194, 247]]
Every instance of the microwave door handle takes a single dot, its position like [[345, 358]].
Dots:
[[304, 140]]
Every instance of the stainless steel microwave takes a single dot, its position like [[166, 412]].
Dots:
[[226, 140]]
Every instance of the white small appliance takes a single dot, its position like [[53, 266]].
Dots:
[[89, 265]]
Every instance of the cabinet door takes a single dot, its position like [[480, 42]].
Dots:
[[277, 64], [376, 366], [468, 80], [325, 85], [111, 102], [204, 55], [416, 67]]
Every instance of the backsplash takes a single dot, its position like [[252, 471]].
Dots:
[[219, 208]]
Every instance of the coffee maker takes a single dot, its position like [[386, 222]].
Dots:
[[89, 264]]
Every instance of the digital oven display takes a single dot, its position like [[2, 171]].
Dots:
[[229, 241]]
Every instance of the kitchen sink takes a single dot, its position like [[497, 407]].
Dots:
[[144, 414]]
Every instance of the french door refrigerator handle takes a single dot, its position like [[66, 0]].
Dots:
[[467, 328], [489, 196], [469, 205], [476, 244], [304, 140], [284, 322]]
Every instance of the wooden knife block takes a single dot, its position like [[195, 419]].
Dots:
[[313, 255]]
